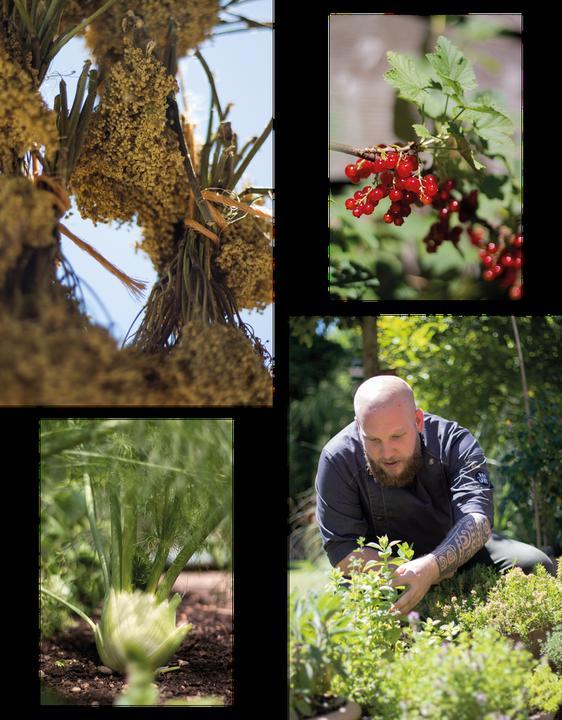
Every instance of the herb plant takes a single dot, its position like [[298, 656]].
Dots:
[[366, 599], [318, 632], [524, 607], [150, 486]]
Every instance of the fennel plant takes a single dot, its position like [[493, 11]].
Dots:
[[150, 487]]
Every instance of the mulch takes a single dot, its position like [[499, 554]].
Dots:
[[70, 666]]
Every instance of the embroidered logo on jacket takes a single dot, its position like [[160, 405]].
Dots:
[[482, 478]]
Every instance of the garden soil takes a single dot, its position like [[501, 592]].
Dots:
[[70, 666]]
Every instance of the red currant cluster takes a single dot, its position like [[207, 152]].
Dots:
[[502, 260], [399, 179], [447, 204]]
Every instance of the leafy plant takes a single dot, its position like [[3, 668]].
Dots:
[[465, 590], [467, 135], [152, 485], [474, 677], [552, 649], [366, 599], [317, 631], [521, 606]]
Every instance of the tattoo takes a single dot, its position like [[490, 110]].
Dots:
[[464, 540]]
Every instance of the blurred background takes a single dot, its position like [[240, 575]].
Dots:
[[242, 66], [461, 368], [368, 259]]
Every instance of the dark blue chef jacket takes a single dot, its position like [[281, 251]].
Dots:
[[452, 482]]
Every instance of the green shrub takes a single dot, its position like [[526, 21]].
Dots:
[[520, 606], [552, 648], [545, 689], [474, 677]]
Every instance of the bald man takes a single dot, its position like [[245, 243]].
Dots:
[[398, 471]]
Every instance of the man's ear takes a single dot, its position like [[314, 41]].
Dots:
[[419, 420]]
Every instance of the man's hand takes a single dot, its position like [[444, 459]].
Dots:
[[419, 574]]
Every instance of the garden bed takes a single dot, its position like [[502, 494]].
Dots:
[[69, 663]]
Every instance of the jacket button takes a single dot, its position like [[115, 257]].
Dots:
[[379, 517], [431, 461]]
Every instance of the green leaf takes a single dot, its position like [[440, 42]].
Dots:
[[453, 68], [421, 131], [463, 146], [407, 78], [491, 124]]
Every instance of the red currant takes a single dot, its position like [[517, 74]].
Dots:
[[454, 205], [391, 161], [404, 169], [364, 171], [398, 221], [488, 275], [368, 208], [350, 203], [395, 194], [386, 178], [378, 165], [515, 292], [357, 212], [518, 241], [351, 171], [388, 218], [412, 183], [376, 194]]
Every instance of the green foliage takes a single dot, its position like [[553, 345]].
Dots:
[[447, 601], [520, 606], [545, 689], [367, 599], [352, 645], [552, 649], [532, 449], [69, 566], [474, 677], [477, 124], [316, 630]]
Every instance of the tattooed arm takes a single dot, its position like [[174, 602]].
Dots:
[[466, 537]]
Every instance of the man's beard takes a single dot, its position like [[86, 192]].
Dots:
[[406, 477]]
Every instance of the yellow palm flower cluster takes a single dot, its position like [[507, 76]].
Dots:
[[195, 20], [131, 163], [60, 359], [224, 365], [245, 258], [25, 119], [27, 218]]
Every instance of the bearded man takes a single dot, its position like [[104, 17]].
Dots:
[[413, 476]]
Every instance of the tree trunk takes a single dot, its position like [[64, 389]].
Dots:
[[371, 364], [535, 482]]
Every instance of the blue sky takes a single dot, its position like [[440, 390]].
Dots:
[[242, 67]]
